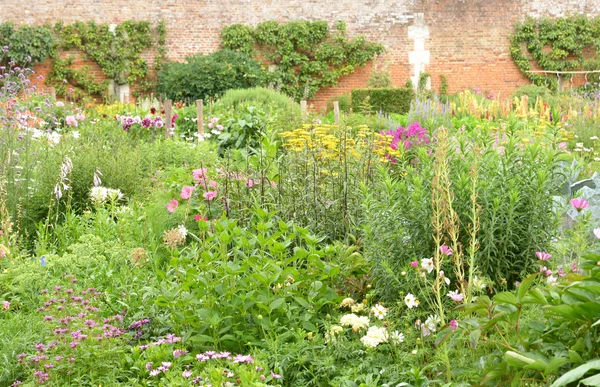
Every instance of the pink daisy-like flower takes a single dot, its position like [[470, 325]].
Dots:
[[579, 204], [543, 256], [446, 250]]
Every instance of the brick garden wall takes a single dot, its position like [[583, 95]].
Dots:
[[467, 40]]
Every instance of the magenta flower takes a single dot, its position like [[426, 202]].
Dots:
[[172, 206], [579, 204], [80, 117], [243, 359], [149, 366], [210, 195], [543, 256], [186, 192], [179, 352], [453, 325], [446, 250], [6, 305], [275, 376], [198, 218], [414, 264]]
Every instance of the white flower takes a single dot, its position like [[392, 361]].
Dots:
[[357, 308], [98, 195], [357, 323], [579, 145], [551, 280], [182, 231], [478, 283], [594, 138], [53, 138], [75, 134], [375, 336], [334, 331], [427, 264], [443, 278], [37, 133], [414, 352], [114, 194], [430, 325], [397, 337], [379, 311], [347, 302], [597, 232], [411, 301]]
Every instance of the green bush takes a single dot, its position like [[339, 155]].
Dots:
[[343, 101], [516, 217], [208, 76], [534, 92], [27, 44], [396, 100]]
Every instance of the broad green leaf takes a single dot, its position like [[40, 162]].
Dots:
[[592, 381], [474, 337], [524, 286], [505, 298], [577, 373], [517, 360]]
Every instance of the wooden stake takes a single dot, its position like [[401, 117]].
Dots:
[[200, 117], [52, 93], [168, 118], [336, 112]]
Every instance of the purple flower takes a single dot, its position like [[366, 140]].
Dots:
[[243, 359], [149, 366], [179, 352]]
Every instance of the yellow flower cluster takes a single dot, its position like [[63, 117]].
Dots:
[[331, 142]]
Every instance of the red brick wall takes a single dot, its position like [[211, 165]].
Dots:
[[468, 39]]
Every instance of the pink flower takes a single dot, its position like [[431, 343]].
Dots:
[[198, 218], [453, 325], [80, 117], [172, 206], [187, 374], [186, 192], [71, 121], [456, 296], [544, 270], [543, 256], [562, 146], [579, 203], [446, 250], [275, 376], [199, 174], [179, 352], [6, 305], [414, 264], [149, 366], [210, 195]]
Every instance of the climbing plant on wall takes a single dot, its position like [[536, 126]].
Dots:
[[305, 56], [554, 45], [117, 50]]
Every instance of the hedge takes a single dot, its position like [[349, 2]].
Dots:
[[389, 100]]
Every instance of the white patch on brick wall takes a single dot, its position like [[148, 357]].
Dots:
[[418, 57], [561, 8]]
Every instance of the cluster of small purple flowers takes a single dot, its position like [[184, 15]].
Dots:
[[147, 122], [73, 320], [413, 136]]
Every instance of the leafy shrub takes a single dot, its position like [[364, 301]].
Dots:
[[387, 100], [516, 216], [565, 337], [343, 101], [534, 92], [241, 283], [208, 76], [27, 44]]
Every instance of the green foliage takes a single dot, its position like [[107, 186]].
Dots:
[[244, 128], [566, 337], [343, 101], [534, 93], [259, 97], [554, 45], [306, 56], [208, 76], [27, 44], [516, 214], [380, 78], [240, 285], [386, 100], [65, 78], [443, 84]]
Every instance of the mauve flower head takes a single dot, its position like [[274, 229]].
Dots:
[[147, 122], [187, 374], [414, 264], [179, 352], [579, 204], [243, 359], [543, 256], [6, 305], [71, 121], [149, 366], [199, 174], [80, 117], [275, 376]]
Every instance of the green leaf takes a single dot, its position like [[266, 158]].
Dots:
[[592, 381], [577, 373], [534, 296], [524, 287], [474, 337], [278, 303], [505, 298], [517, 360]]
